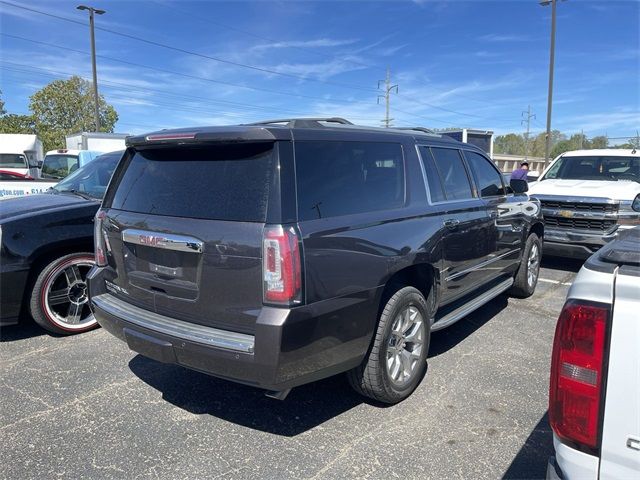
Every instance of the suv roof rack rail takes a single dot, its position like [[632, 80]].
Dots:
[[419, 129], [304, 122]]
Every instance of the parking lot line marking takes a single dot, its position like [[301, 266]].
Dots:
[[555, 282]]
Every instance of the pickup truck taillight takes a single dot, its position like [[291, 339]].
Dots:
[[281, 268], [577, 372], [99, 240]]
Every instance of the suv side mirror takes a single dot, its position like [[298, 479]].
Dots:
[[519, 186]]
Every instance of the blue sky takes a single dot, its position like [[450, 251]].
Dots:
[[475, 64]]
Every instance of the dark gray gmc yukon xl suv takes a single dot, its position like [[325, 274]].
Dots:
[[280, 253]]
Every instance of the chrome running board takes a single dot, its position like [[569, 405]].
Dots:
[[467, 308]]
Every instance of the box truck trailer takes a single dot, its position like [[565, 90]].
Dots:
[[21, 153], [97, 141]]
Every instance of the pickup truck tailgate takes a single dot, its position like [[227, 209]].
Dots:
[[620, 454]]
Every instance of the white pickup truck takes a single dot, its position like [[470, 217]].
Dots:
[[587, 198], [594, 395]]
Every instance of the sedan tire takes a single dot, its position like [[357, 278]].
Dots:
[[59, 301]]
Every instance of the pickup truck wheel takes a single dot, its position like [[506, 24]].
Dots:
[[397, 360], [59, 301], [526, 277]]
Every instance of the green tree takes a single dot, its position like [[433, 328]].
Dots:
[[599, 142], [12, 123], [67, 106], [510, 144], [2, 110]]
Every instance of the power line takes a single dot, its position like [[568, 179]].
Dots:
[[48, 44], [238, 107], [196, 54], [178, 49], [209, 22], [113, 84], [172, 72]]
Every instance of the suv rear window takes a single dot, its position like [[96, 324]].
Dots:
[[343, 178], [218, 182]]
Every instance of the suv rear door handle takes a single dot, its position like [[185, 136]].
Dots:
[[451, 223]]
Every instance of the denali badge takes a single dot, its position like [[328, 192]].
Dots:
[[565, 213], [113, 288]]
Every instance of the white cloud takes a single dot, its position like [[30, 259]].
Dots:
[[318, 43], [601, 122], [497, 37]]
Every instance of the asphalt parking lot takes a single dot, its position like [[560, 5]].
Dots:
[[85, 406]]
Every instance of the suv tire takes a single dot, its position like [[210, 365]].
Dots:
[[526, 278], [397, 360], [59, 300]]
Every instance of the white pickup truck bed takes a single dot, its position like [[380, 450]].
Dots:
[[611, 278]]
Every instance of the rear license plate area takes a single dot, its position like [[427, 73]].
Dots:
[[149, 346]]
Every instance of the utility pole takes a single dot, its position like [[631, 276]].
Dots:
[[387, 93], [529, 116], [581, 138], [553, 3], [92, 12]]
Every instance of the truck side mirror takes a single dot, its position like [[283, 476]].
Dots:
[[519, 186]]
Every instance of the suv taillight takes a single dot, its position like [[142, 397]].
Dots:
[[99, 239], [281, 269], [576, 387]]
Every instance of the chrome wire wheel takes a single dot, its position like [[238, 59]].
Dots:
[[533, 265], [65, 300], [404, 348]]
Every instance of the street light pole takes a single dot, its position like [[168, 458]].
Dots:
[[93, 11], [547, 144]]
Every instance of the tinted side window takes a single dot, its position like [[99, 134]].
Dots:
[[453, 173], [221, 182], [436, 192], [488, 178], [342, 178]]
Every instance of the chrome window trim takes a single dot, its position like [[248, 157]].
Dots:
[[504, 187], [474, 197]]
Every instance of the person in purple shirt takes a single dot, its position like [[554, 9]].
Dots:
[[520, 173]]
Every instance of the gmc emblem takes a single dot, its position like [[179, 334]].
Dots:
[[150, 240]]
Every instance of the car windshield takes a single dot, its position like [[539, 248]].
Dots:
[[92, 179], [59, 166], [13, 160], [595, 168]]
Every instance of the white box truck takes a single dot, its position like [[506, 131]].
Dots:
[[21, 153], [97, 141]]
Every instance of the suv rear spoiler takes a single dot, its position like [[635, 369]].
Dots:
[[235, 134]]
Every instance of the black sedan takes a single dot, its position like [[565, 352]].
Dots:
[[46, 250]]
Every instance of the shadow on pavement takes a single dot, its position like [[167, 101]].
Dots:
[[306, 406], [448, 338], [562, 264], [531, 460], [23, 330]]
